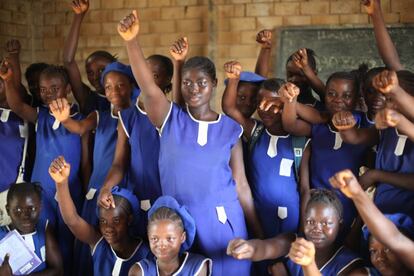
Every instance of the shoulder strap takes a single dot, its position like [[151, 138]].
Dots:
[[298, 144], [255, 135]]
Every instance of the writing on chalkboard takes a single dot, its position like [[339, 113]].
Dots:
[[340, 48]]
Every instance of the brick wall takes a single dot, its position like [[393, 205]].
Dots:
[[221, 29]]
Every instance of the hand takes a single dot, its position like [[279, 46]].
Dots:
[[367, 179], [60, 109], [273, 104], [385, 82], [240, 249], [6, 72], [80, 6], [59, 170], [179, 49], [128, 27], [289, 92], [346, 181], [386, 118], [371, 5], [343, 120], [232, 69], [105, 198], [13, 46], [5, 268], [300, 58], [302, 252], [264, 37]]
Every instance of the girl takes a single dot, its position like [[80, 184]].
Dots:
[[382, 228], [197, 143], [94, 65], [341, 94], [323, 220], [24, 208], [275, 191], [393, 169], [171, 232], [114, 250], [53, 139]]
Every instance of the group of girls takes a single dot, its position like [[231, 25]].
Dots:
[[129, 182]]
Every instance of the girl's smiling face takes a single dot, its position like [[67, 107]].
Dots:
[[118, 89], [197, 87], [322, 224], [113, 224], [165, 239], [384, 260], [340, 95], [24, 211]]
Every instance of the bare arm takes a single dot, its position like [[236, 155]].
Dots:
[[119, 165], [178, 51], [304, 182], [156, 104], [310, 114], [264, 38], [243, 190], [292, 124], [229, 100], [386, 47], [53, 256], [80, 91], [13, 49], [16, 103], [59, 170], [86, 160], [135, 270]]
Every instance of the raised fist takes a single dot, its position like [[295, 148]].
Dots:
[[80, 6], [13, 46], [385, 82], [289, 92], [264, 37], [386, 118], [232, 69], [128, 27], [59, 170], [343, 120], [179, 49]]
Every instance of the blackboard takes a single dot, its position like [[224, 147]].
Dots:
[[341, 48]]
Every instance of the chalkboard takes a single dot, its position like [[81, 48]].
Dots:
[[341, 48]]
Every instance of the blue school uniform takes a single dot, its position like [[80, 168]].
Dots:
[[96, 102], [106, 135], [194, 169], [36, 241], [52, 140], [14, 139], [340, 261], [395, 154], [191, 266], [273, 183], [330, 155], [143, 173], [106, 262]]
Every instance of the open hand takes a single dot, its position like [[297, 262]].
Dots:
[[232, 69], [128, 27], [59, 170], [60, 109], [300, 58]]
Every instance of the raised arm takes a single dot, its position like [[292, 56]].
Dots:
[[156, 104], [386, 118], [13, 49], [117, 170], [80, 91], [387, 83], [16, 103], [291, 123], [304, 184], [61, 111], [229, 100], [300, 58], [345, 123], [178, 51], [381, 228], [311, 114], [259, 250], [386, 47], [243, 190], [264, 38], [59, 170]]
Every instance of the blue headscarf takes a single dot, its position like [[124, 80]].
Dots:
[[249, 77], [187, 219], [123, 69], [401, 221]]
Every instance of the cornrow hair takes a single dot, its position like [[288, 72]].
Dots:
[[165, 213], [311, 58], [326, 197], [34, 68], [56, 71], [24, 189], [102, 54], [202, 63], [272, 84], [123, 204]]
